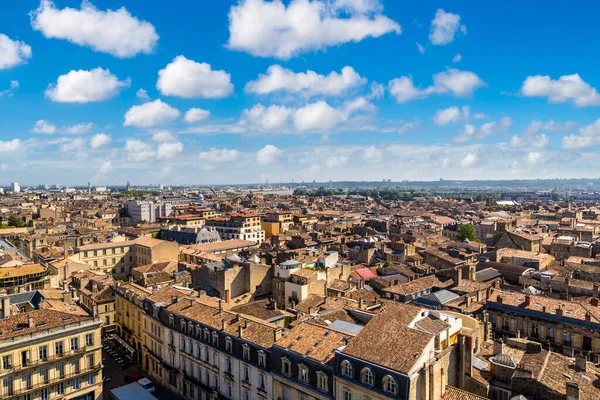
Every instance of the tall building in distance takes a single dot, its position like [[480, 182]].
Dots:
[[15, 187]]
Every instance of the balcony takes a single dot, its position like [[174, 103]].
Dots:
[[36, 363], [20, 392]]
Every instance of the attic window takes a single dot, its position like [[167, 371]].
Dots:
[[40, 324], [569, 312], [67, 318], [537, 304], [519, 301]]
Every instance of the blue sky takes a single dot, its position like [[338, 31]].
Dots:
[[296, 90]]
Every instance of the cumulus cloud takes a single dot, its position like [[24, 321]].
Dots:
[[68, 145], [194, 115], [451, 115], [268, 155], [168, 150], [13, 52], [164, 136], [444, 26], [190, 79], [138, 151], [267, 118], [372, 154], [106, 168], [10, 146], [457, 58], [586, 136], [469, 160], [43, 126], [279, 79], [272, 29], [86, 86], [100, 140], [319, 115], [217, 156], [534, 157], [530, 140], [566, 88], [471, 132], [142, 94], [114, 32], [453, 81], [78, 129], [150, 114]]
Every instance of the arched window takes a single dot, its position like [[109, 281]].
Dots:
[[389, 384], [346, 368], [367, 376]]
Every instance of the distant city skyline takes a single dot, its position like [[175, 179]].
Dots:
[[241, 92]]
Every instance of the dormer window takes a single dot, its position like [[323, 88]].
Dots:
[[215, 339], [171, 320], [228, 345], [367, 376], [286, 366], [303, 373], [346, 368], [262, 358], [206, 335], [246, 350], [389, 384]]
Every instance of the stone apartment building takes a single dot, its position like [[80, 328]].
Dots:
[[245, 226], [50, 354]]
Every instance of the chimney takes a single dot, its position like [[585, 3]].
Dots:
[[559, 311], [595, 301], [30, 322], [567, 281], [499, 299], [227, 296], [173, 299], [527, 300], [488, 294], [66, 253], [581, 362], [360, 303], [309, 310], [588, 316], [478, 296], [596, 287], [220, 306], [241, 331], [544, 309], [223, 325], [5, 306], [497, 284], [498, 347], [457, 276], [572, 391], [277, 334]]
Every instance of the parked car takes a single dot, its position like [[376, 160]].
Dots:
[[147, 384]]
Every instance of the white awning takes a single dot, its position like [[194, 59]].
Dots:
[[124, 343]]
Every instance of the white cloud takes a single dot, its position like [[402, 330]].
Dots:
[[469, 160], [106, 168], [457, 58], [528, 140], [68, 145], [13, 52], [100, 140], [164, 136], [217, 156], [586, 136], [453, 81], [420, 48], [86, 86], [336, 161], [318, 116], [43, 126], [196, 115], [10, 146], [14, 85], [138, 151], [267, 118], [142, 94], [471, 132], [549, 126], [310, 83], [372, 154], [272, 29], [444, 26], [534, 158], [451, 115], [115, 32], [566, 88], [150, 114], [268, 155], [189, 79], [78, 129], [168, 150]]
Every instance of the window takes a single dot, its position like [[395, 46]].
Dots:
[[75, 366], [44, 393], [216, 359], [74, 344], [229, 390], [89, 339], [206, 335], [246, 350], [228, 365], [60, 368], [216, 381], [367, 377], [58, 348], [206, 355], [27, 380], [228, 345], [346, 368], [43, 352], [347, 395], [215, 339], [44, 376], [262, 358], [90, 360], [75, 383], [286, 367], [389, 384], [90, 379], [322, 381], [246, 373], [7, 386], [262, 381], [60, 388], [182, 344], [7, 362], [303, 373]]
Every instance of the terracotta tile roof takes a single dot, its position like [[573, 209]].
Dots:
[[18, 325], [314, 341], [453, 393]]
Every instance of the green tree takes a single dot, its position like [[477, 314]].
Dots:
[[15, 221], [467, 232]]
